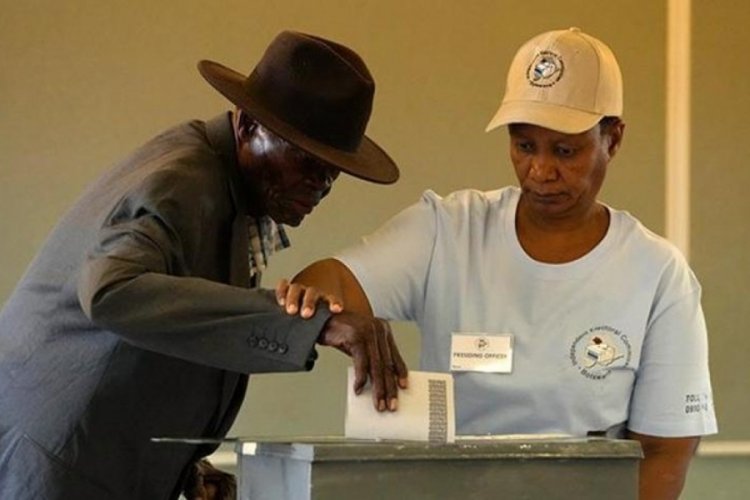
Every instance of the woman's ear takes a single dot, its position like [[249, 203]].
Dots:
[[615, 133]]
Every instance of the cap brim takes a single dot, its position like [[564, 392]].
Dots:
[[550, 116], [368, 162]]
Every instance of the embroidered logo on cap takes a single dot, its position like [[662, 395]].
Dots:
[[545, 69]]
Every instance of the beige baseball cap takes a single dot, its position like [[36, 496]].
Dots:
[[563, 80]]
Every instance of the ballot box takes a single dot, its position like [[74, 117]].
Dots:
[[509, 468]]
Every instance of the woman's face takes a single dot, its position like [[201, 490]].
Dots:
[[560, 175]]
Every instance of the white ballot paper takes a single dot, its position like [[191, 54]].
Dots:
[[425, 411]]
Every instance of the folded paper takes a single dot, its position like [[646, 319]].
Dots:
[[425, 411]]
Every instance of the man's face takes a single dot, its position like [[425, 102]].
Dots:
[[561, 174], [285, 182]]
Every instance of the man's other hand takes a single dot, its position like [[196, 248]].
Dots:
[[206, 482], [297, 298], [374, 354]]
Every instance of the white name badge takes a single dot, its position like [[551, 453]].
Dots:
[[479, 352]]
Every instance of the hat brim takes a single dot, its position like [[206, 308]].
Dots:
[[550, 116], [368, 162]]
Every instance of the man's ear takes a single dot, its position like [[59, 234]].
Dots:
[[244, 125]]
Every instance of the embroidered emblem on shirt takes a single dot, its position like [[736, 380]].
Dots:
[[545, 69], [598, 350]]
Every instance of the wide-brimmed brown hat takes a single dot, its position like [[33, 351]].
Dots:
[[314, 93]]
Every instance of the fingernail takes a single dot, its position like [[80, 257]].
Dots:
[[393, 405], [307, 312], [403, 383], [291, 309], [282, 301], [381, 405]]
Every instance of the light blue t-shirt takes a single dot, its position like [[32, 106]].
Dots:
[[615, 337]]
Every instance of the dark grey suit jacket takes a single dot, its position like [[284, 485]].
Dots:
[[135, 321]]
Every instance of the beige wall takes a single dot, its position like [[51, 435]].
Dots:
[[721, 199], [83, 82]]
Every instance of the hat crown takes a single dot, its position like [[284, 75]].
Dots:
[[321, 88], [564, 80]]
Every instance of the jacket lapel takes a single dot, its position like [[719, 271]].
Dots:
[[221, 136]]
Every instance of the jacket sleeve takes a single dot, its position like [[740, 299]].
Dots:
[[136, 284]]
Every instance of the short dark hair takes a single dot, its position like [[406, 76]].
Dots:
[[608, 121]]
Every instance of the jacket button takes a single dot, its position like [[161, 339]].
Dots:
[[283, 349], [263, 343], [253, 341], [273, 345]]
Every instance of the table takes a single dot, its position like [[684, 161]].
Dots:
[[509, 468]]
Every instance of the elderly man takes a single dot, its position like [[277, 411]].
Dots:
[[597, 320], [141, 317]]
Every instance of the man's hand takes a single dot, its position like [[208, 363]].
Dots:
[[367, 340], [295, 297], [206, 482], [370, 344]]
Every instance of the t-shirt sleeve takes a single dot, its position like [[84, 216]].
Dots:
[[391, 263], [672, 396]]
